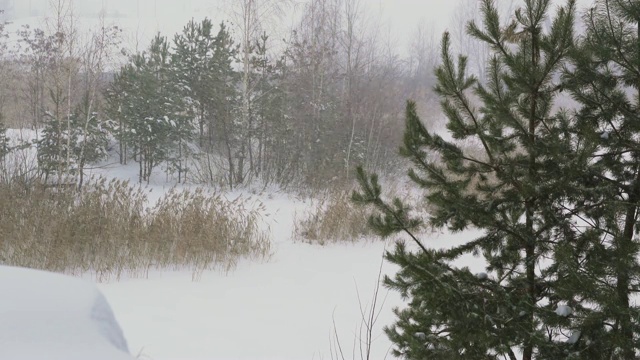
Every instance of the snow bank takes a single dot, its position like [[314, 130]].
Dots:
[[51, 316]]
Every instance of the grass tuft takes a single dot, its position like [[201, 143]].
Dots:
[[332, 218], [106, 229]]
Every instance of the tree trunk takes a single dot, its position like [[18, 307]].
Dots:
[[623, 244], [530, 246]]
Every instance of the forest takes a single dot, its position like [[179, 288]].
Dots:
[[514, 134], [219, 103]]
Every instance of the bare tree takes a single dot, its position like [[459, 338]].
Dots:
[[252, 18], [478, 52], [7, 72], [95, 54], [344, 87], [36, 59], [421, 59], [354, 45], [64, 72]]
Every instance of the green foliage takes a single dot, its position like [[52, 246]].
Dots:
[[604, 80], [313, 110], [67, 145], [392, 218], [514, 188], [283, 119], [148, 109], [194, 64], [202, 68], [270, 129]]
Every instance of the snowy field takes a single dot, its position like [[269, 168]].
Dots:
[[282, 308], [288, 307], [300, 303]]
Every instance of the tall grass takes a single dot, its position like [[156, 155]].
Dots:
[[107, 229], [332, 218]]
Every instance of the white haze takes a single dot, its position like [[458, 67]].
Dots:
[[141, 19]]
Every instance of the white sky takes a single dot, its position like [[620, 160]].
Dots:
[[141, 19]]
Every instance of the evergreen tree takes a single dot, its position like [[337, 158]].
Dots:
[[269, 128], [512, 185], [67, 146], [224, 108], [51, 147], [118, 110], [205, 78], [194, 70], [605, 80], [148, 109]]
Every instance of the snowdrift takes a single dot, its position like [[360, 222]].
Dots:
[[51, 316]]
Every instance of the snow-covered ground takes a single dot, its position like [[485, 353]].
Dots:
[[282, 308], [294, 305]]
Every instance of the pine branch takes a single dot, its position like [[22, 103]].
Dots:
[[395, 220]]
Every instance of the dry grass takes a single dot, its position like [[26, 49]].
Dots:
[[332, 218], [107, 230]]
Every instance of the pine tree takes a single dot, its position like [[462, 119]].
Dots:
[[147, 109], [312, 83], [205, 78], [117, 109], [269, 126], [224, 107], [65, 148], [512, 185], [194, 70], [605, 79], [93, 140]]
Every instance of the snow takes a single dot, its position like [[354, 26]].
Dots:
[[282, 308], [288, 306], [55, 317], [564, 310], [575, 336]]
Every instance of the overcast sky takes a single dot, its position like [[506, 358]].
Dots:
[[146, 17], [141, 19]]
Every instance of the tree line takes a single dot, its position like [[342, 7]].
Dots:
[[218, 103]]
